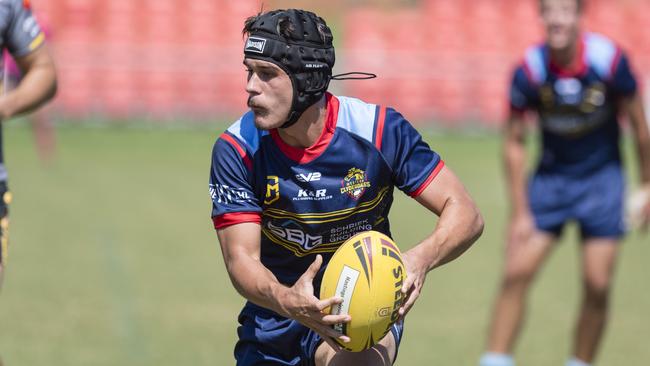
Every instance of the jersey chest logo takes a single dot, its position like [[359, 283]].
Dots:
[[272, 189], [308, 177], [355, 183]]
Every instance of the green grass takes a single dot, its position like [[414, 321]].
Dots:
[[113, 261]]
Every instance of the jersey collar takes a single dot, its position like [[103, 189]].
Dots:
[[306, 155], [577, 67]]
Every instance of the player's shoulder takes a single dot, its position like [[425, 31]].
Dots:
[[533, 64], [601, 53], [244, 134], [596, 42], [6, 9], [366, 120], [357, 116], [14, 6]]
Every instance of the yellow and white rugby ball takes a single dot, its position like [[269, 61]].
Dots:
[[368, 273]]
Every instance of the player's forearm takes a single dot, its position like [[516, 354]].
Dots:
[[256, 283], [514, 158], [37, 87], [639, 123], [643, 150], [459, 226]]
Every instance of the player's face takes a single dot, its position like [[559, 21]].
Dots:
[[270, 93], [561, 19]]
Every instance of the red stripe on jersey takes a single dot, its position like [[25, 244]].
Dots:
[[617, 59], [229, 219], [426, 183], [240, 150], [379, 133], [303, 156]]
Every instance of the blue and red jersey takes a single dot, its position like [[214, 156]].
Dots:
[[577, 105], [309, 201]]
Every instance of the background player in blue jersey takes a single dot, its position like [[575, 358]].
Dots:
[[300, 173], [577, 83], [24, 40]]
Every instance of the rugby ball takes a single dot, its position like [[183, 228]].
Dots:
[[368, 273]]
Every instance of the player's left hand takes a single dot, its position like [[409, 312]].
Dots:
[[645, 211], [416, 272], [638, 207], [301, 305]]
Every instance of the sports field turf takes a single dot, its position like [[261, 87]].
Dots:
[[114, 262]]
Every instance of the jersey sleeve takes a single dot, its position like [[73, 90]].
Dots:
[[23, 34], [231, 191], [412, 161], [623, 81], [521, 91]]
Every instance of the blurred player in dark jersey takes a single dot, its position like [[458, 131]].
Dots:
[[24, 40], [300, 173], [577, 83]]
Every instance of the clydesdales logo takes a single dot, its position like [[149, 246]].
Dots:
[[355, 183]]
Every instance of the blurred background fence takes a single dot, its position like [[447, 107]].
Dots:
[[447, 61]]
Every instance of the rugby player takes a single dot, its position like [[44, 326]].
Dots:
[[577, 83], [24, 40], [302, 171]]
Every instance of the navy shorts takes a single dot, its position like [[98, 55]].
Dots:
[[594, 200], [266, 338]]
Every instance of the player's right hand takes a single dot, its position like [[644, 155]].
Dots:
[[643, 214], [301, 305], [520, 230]]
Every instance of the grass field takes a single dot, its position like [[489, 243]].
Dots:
[[114, 261]]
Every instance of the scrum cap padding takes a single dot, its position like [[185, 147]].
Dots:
[[305, 55]]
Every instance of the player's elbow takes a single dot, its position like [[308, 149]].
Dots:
[[42, 74], [468, 218], [476, 224], [52, 86], [239, 271], [235, 280]]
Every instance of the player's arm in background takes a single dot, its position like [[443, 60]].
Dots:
[[514, 161], [420, 172], [26, 42], [37, 86], [237, 216], [624, 84], [521, 225]]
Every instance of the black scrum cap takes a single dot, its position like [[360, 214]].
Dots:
[[302, 52]]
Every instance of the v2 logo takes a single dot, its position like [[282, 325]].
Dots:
[[308, 177]]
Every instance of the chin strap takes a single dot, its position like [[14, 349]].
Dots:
[[354, 75]]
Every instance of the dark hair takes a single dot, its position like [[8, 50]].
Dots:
[[286, 27], [579, 3]]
